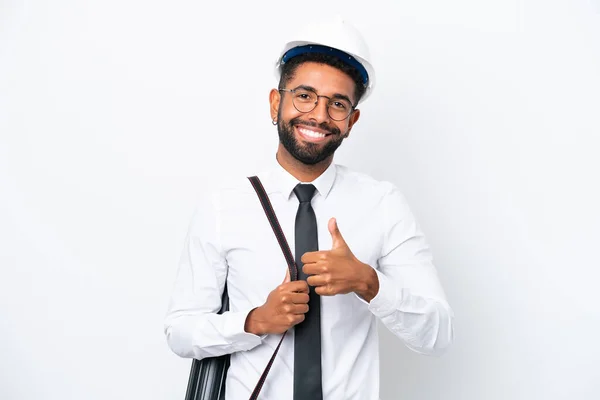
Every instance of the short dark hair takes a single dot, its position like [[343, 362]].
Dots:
[[289, 69]]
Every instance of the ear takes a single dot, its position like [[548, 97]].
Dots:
[[274, 100], [352, 120]]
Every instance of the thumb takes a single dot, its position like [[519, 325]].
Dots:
[[287, 276], [336, 236]]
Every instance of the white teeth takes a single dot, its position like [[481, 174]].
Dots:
[[310, 133]]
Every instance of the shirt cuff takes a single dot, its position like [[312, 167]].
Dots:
[[385, 301], [234, 331]]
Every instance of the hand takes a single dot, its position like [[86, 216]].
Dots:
[[338, 271], [284, 308]]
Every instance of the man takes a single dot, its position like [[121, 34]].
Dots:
[[360, 252]]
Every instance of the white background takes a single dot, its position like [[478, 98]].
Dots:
[[113, 114]]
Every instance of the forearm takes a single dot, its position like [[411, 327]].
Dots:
[[201, 335], [425, 324]]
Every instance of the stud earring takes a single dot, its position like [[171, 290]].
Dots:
[[274, 122]]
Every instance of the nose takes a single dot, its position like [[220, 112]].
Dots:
[[320, 113]]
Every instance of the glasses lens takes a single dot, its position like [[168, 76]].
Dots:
[[304, 100], [339, 109]]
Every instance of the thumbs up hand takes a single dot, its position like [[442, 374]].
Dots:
[[338, 271]]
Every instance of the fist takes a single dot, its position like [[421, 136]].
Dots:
[[338, 271], [285, 307]]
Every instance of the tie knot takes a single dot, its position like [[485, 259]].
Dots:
[[304, 192]]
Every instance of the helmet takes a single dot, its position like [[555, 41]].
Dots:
[[336, 37]]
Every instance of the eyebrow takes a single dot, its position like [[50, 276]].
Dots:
[[333, 96]]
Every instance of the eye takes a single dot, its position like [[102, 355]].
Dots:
[[339, 105], [305, 97]]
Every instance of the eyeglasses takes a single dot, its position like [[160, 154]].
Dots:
[[305, 100]]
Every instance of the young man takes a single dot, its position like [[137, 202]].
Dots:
[[360, 253]]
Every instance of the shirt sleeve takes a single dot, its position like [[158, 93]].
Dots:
[[410, 302], [192, 326]]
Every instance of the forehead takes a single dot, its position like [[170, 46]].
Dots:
[[326, 79]]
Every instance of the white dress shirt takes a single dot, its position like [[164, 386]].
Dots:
[[231, 241]]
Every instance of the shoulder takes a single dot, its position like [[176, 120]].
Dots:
[[226, 191], [362, 182]]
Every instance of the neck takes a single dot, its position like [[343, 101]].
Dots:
[[299, 170]]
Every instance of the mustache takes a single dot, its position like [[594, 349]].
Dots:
[[334, 130]]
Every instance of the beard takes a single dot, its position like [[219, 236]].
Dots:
[[308, 153]]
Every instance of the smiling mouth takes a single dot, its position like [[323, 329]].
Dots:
[[312, 135]]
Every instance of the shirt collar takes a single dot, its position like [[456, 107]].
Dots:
[[279, 180]]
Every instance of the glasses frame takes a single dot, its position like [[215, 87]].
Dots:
[[352, 108]]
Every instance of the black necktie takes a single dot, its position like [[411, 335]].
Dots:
[[307, 343]]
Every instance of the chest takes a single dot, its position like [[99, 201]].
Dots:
[[256, 264]]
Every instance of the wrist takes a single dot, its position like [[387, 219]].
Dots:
[[253, 324], [369, 284]]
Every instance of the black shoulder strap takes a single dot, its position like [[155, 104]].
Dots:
[[266, 204], [268, 208]]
